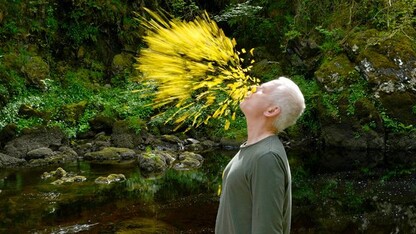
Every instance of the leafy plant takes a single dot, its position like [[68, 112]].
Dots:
[[332, 38], [395, 125]]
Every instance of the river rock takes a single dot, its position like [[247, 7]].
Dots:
[[111, 153], [61, 177], [124, 136], [343, 135], [401, 141], [42, 152], [65, 154], [57, 174], [7, 161], [34, 139], [70, 179], [153, 161], [188, 160], [110, 179]]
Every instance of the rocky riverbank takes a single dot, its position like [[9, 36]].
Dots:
[[49, 146]]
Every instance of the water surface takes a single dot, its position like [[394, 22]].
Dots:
[[365, 198]]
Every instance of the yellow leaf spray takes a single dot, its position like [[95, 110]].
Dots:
[[194, 67]]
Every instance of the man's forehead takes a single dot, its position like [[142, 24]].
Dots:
[[268, 84]]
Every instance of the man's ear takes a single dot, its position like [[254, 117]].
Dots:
[[272, 111]]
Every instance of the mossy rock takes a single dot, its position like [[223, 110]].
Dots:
[[36, 70], [110, 179], [72, 112], [335, 74], [399, 105], [102, 123], [367, 113], [12, 61], [28, 111], [381, 55], [267, 70], [123, 134], [111, 153], [152, 161], [122, 62]]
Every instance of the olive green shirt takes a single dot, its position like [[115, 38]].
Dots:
[[256, 192]]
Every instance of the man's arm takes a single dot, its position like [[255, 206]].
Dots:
[[268, 184]]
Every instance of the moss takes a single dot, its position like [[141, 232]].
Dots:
[[122, 62], [379, 47], [399, 105], [266, 70], [377, 59], [367, 113], [74, 111], [402, 46], [337, 73], [36, 70]]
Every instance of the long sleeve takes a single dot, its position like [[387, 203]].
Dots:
[[269, 184]]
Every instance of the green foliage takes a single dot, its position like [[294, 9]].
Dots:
[[3, 92], [311, 93], [186, 9], [251, 27], [237, 130], [9, 113], [331, 39], [357, 91], [394, 125], [74, 87], [353, 200], [9, 30], [235, 12], [369, 126], [391, 15], [123, 103], [80, 33]]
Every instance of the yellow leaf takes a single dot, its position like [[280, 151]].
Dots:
[[227, 124]]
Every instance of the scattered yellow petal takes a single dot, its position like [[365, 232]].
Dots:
[[194, 66]]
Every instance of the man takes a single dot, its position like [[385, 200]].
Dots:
[[256, 189]]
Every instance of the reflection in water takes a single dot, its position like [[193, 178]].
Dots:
[[74, 228], [374, 197]]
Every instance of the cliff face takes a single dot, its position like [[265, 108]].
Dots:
[[372, 85]]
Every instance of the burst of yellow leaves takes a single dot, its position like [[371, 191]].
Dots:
[[193, 64]]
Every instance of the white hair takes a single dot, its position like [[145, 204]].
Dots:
[[289, 98]]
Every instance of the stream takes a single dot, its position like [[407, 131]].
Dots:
[[376, 197]]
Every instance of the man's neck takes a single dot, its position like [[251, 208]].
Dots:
[[257, 134]]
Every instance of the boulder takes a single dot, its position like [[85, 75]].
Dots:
[[7, 161], [189, 160], [124, 136], [34, 139], [65, 154], [42, 152], [60, 176], [111, 153], [110, 179], [36, 71], [153, 161]]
